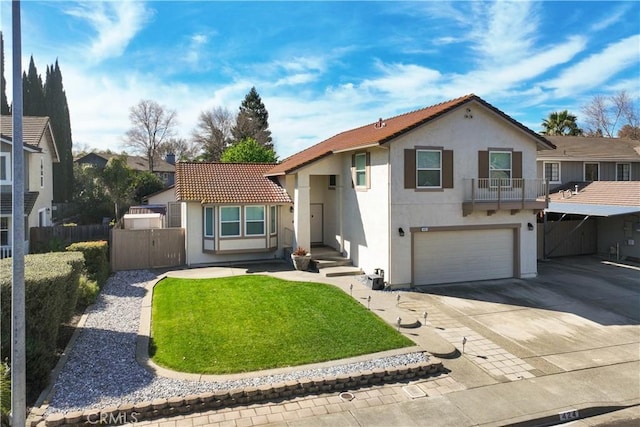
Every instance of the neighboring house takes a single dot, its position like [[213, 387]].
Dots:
[[166, 199], [585, 159], [231, 212], [595, 197], [40, 152], [162, 168], [444, 194]]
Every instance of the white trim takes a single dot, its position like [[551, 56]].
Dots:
[[220, 222], [204, 222], [544, 172], [45, 222], [8, 168], [584, 170], [275, 217], [358, 148], [264, 221], [418, 169]]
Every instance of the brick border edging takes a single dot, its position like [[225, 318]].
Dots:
[[128, 412]]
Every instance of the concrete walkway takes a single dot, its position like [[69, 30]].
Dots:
[[487, 385]]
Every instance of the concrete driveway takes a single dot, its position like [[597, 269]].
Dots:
[[579, 313]]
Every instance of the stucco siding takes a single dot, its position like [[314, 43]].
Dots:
[[622, 232], [366, 214], [45, 192], [411, 208]]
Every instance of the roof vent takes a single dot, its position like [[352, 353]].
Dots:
[[380, 124], [575, 191]]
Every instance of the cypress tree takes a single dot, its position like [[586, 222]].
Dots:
[[4, 104], [33, 92], [253, 120], [57, 109]]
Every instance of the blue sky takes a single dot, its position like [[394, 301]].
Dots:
[[325, 67]]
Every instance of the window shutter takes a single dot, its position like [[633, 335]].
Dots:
[[447, 168], [483, 168], [483, 164], [409, 168], [353, 170], [516, 164]]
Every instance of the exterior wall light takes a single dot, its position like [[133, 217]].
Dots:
[[530, 226], [401, 232]]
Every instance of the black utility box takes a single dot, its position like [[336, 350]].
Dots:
[[374, 282]]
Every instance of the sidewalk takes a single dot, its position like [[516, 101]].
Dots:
[[487, 385]]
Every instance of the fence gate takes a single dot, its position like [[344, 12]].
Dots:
[[154, 248]]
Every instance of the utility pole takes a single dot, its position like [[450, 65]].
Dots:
[[18, 350]]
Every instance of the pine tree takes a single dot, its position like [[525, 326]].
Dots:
[[4, 104], [33, 92], [253, 120], [58, 111]]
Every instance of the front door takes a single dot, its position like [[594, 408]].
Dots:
[[316, 223]]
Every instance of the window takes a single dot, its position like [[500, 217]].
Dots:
[[230, 221], [623, 172], [254, 221], [208, 221], [361, 169], [273, 219], [4, 231], [41, 172], [332, 181], [428, 168], [552, 172], [591, 171], [500, 168], [5, 168]]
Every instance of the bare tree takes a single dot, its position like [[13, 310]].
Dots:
[[604, 115], [151, 125], [181, 147], [213, 132]]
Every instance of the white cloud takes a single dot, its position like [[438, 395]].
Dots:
[[612, 18], [115, 25], [596, 69]]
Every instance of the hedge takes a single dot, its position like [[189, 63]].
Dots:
[[51, 286], [95, 258]]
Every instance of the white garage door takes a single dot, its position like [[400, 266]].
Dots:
[[462, 256]]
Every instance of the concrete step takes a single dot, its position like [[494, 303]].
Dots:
[[331, 262], [341, 271]]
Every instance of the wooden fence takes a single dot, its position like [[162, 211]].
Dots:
[[153, 248], [45, 239]]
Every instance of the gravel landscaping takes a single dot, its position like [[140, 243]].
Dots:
[[102, 370]]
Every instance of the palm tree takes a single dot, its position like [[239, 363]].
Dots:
[[560, 123]]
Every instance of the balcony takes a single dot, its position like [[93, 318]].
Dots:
[[514, 194]]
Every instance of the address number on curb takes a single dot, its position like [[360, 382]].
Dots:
[[569, 415]]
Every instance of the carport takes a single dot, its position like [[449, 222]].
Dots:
[[612, 230]]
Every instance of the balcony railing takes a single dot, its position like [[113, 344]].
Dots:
[[493, 194], [504, 189], [5, 251]]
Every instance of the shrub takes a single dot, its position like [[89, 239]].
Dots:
[[96, 259], [5, 393], [51, 288], [87, 291]]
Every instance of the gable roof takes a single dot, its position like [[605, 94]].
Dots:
[[589, 148], [137, 163], [383, 131], [227, 183], [33, 129]]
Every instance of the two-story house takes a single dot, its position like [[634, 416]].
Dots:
[[448, 193], [40, 153], [594, 197], [162, 168]]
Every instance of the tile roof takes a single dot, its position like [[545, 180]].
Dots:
[[227, 183], [621, 193], [33, 128], [384, 131], [588, 148]]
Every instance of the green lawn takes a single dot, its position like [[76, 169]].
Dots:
[[247, 323]]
